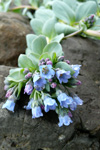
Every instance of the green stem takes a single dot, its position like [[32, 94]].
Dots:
[[92, 33], [23, 6], [73, 34]]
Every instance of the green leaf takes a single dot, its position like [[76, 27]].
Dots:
[[64, 66], [86, 9], [49, 28], [17, 2], [29, 39], [25, 62], [36, 25], [6, 5], [44, 14], [14, 70], [63, 28], [63, 12], [96, 25], [53, 47], [20, 85], [71, 3], [54, 58], [34, 58], [47, 87], [16, 76], [38, 44], [58, 38], [45, 55]]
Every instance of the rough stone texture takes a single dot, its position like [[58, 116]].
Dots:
[[13, 29], [18, 131]]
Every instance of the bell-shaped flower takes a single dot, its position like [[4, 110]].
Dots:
[[39, 82], [64, 100], [28, 88], [73, 106], [10, 105], [78, 100], [76, 68], [64, 120], [46, 71], [36, 112], [29, 105], [63, 76], [49, 103]]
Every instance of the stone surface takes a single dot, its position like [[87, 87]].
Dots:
[[18, 131], [13, 29]]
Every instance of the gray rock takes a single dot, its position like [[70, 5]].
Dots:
[[13, 29], [18, 131]]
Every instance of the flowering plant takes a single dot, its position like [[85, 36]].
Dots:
[[44, 74]]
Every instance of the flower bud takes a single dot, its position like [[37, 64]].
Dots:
[[47, 59], [49, 62], [50, 80], [53, 85], [29, 75], [9, 92], [6, 87], [78, 82], [67, 61], [26, 70], [61, 58]]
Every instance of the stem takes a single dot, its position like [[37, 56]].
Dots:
[[92, 33], [23, 6], [72, 34]]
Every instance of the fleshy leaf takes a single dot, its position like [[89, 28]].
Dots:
[[29, 39], [45, 55], [63, 28], [16, 76], [38, 44], [63, 12], [44, 14], [49, 28], [34, 58], [71, 3], [53, 47], [36, 25], [58, 38], [86, 9], [25, 62]]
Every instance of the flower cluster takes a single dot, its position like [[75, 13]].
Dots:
[[43, 87], [89, 21]]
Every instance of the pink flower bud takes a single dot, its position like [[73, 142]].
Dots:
[[49, 62], [53, 85], [50, 80], [29, 75], [79, 82], [26, 70], [47, 59], [67, 61]]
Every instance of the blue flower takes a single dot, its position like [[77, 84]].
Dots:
[[76, 68], [10, 105], [64, 100], [78, 100], [28, 88], [50, 104], [63, 76], [66, 120], [73, 106], [46, 71], [29, 105], [36, 112], [39, 82]]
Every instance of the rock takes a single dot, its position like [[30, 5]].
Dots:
[[13, 29], [18, 131]]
